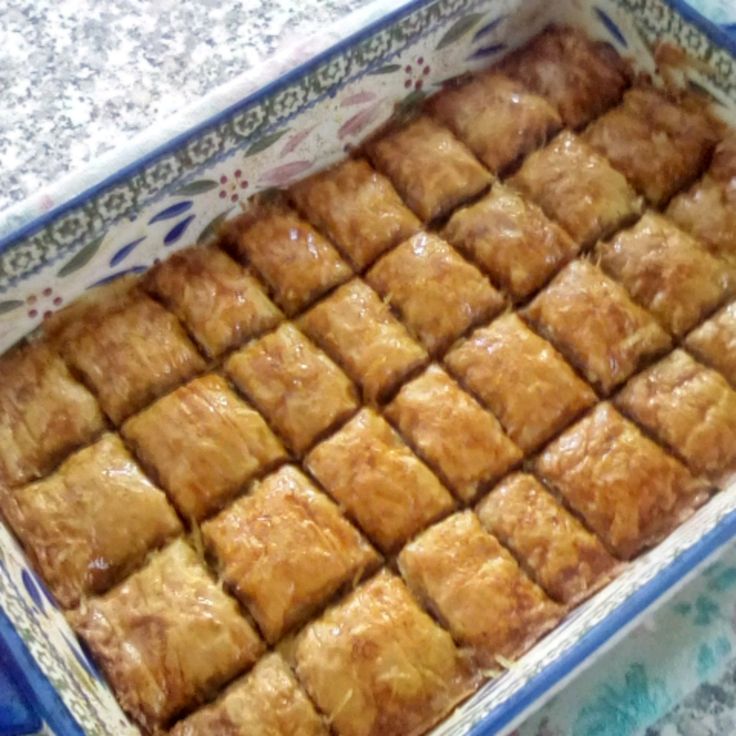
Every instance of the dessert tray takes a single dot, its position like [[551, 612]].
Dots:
[[386, 398]]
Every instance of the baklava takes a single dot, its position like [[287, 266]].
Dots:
[[329, 472]]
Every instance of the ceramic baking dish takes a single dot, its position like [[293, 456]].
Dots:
[[175, 185]]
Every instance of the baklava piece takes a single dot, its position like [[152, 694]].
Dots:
[[438, 294], [92, 521], [522, 379], [567, 560], [497, 118], [595, 324], [512, 240], [658, 145], [266, 702], [708, 209], [580, 77], [44, 414], [714, 342], [477, 589], [127, 348], [358, 208], [284, 550], [667, 272], [628, 490], [455, 435], [297, 263], [378, 480], [429, 167], [220, 303], [358, 331], [301, 392], [576, 186], [377, 665], [203, 444], [167, 638], [690, 408], [708, 212]]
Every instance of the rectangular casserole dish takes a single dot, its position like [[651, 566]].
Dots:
[[192, 179]]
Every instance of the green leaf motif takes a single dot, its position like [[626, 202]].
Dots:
[[211, 228], [265, 142], [82, 258], [196, 187], [406, 107], [387, 69], [10, 305], [459, 29]]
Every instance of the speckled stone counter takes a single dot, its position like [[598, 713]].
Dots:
[[79, 77]]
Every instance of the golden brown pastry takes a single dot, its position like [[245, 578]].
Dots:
[[522, 379], [667, 272], [714, 342], [477, 589], [580, 77], [297, 263], [436, 291], [430, 168], [298, 388], [90, 523], [377, 479], [576, 186], [511, 239], [496, 117], [593, 322], [723, 165], [690, 408], [284, 550], [456, 436], [357, 208], [567, 560], [44, 414], [359, 332], [167, 638], [266, 702], [204, 444], [127, 348], [377, 665], [708, 212], [219, 301], [657, 144], [630, 492]]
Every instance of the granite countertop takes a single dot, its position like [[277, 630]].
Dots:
[[80, 77]]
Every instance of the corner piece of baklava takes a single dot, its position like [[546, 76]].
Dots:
[[167, 638], [377, 665]]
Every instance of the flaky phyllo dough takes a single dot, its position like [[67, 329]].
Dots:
[[331, 471]]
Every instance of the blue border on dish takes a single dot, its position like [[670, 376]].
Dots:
[[33, 686]]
